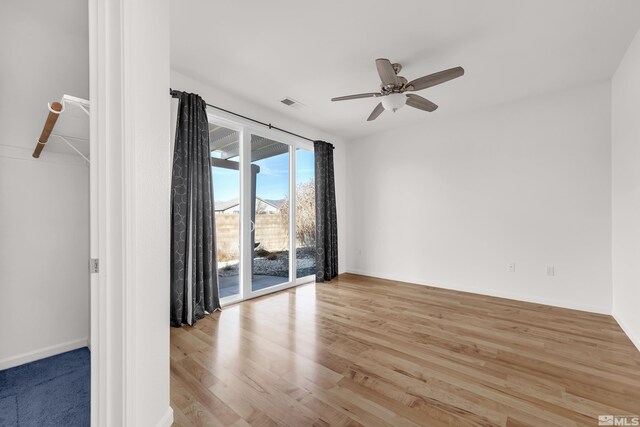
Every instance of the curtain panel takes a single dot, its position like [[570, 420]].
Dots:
[[326, 218], [194, 273]]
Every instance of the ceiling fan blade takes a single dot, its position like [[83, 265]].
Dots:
[[435, 79], [376, 112], [358, 96], [386, 72], [420, 103]]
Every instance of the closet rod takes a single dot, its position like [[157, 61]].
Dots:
[[176, 94], [54, 113]]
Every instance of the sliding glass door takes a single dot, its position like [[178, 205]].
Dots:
[[226, 194], [270, 225], [265, 209], [305, 214]]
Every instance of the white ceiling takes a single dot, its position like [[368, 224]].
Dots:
[[263, 51]]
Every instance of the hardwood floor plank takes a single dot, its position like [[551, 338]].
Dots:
[[202, 396], [362, 351]]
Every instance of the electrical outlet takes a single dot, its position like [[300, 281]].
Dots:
[[551, 271], [512, 267]]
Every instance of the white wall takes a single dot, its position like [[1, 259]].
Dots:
[[452, 202], [147, 114], [626, 191], [238, 105], [44, 203]]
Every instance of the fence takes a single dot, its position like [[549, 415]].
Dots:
[[271, 232]]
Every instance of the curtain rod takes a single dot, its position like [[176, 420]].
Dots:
[[176, 94]]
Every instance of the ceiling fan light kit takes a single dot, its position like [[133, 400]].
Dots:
[[394, 101], [393, 88]]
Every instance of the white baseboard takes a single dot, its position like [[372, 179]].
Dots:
[[34, 355], [167, 418], [635, 339], [490, 292]]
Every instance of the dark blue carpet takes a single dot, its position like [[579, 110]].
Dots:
[[50, 392]]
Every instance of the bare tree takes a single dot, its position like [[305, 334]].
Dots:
[[305, 213]]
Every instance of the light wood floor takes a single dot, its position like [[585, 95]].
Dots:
[[363, 351]]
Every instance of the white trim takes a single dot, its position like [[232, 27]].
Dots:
[[97, 369], [231, 299], [628, 331], [488, 292], [271, 289], [234, 299], [167, 418], [129, 218], [246, 252], [21, 153], [96, 228], [101, 34], [41, 353], [293, 200]]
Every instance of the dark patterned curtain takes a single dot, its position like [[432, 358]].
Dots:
[[326, 219], [194, 273]]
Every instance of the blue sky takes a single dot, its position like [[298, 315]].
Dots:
[[273, 179]]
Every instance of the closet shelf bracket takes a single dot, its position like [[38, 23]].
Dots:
[[55, 110]]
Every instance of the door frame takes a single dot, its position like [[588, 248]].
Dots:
[[129, 212], [246, 129]]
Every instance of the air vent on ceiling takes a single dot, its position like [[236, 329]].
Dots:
[[290, 102]]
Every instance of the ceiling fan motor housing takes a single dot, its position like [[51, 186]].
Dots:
[[398, 87]]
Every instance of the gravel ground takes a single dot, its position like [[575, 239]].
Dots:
[[279, 265]]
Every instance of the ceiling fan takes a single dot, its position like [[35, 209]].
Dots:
[[393, 88]]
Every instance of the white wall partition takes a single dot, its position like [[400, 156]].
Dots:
[[44, 203], [626, 191], [44, 250], [453, 202]]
